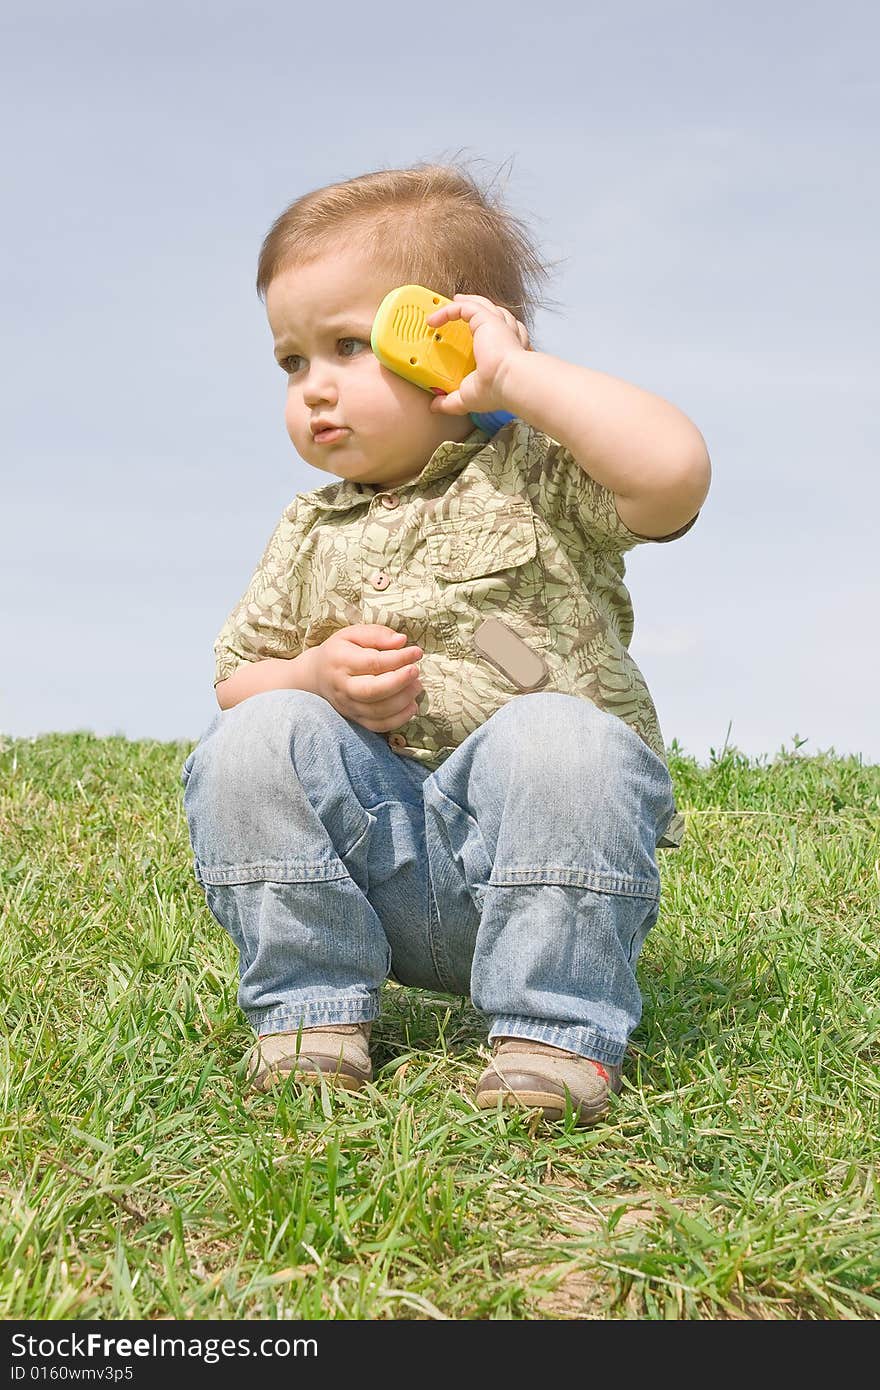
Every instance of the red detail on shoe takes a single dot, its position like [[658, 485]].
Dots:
[[601, 1070]]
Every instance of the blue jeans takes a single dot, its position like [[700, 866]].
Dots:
[[521, 873]]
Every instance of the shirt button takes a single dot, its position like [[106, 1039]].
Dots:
[[380, 580], [397, 740], [389, 500]]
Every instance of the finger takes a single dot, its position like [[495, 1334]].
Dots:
[[518, 327], [371, 662], [464, 309], [479, 299], [386, 723], [439, 316], [396, 713], [373, 635], [373, 690], [391, 713], [472, 304], [388, 715], [450, 404], [507, 314]]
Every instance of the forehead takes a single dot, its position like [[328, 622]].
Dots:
[[333, 288]]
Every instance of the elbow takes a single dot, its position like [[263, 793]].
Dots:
[[222, 693], [679, 485], [692, 472], [686, 485], [703, 471]]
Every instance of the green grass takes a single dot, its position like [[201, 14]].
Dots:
[[735, 1176]]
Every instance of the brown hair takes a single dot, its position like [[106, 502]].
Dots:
[[431, 225]]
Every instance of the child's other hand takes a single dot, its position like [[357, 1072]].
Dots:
[[498, 337], [368, 673]]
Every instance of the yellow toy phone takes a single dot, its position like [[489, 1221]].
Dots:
[[428, 357]]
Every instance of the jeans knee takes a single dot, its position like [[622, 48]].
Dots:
[[566, 742], [252, 742], [551, 727]]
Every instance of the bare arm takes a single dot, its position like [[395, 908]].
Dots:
[[651, 456], [368, 672], [273, 673], [639, 446]]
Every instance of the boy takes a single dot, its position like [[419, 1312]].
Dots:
[[435, 759]]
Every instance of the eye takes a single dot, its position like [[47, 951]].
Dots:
[[288, 364], [342, 341]]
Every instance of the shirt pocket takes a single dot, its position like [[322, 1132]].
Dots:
[[488, 566]]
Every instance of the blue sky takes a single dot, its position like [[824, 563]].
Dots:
[[704, 176]]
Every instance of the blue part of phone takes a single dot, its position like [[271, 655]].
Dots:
[[492, 420]]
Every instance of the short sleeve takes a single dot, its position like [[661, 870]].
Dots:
[[266, 620], [564, 493]]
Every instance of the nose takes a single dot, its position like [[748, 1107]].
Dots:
[[320, 384]]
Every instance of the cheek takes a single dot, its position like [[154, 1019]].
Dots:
[[403, 400], [292, 413]]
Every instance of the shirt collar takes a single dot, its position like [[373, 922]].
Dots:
[[449, 457]]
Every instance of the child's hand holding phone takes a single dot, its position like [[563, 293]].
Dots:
[[458, 349], [498, 337]]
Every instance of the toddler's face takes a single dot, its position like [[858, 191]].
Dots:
[[321, 316]]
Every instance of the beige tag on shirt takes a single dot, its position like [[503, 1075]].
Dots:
[[500, 645]]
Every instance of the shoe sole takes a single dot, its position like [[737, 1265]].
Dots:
[[277, 1076], [539, 1100]]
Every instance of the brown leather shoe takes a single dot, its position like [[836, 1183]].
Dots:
[[338, 1053], [537, 1076]]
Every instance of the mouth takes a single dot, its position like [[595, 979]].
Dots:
[[329, 434]]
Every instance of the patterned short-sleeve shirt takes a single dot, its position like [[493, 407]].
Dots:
[[502, 560]]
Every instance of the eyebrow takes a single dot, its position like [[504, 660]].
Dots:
[[359, 328]]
